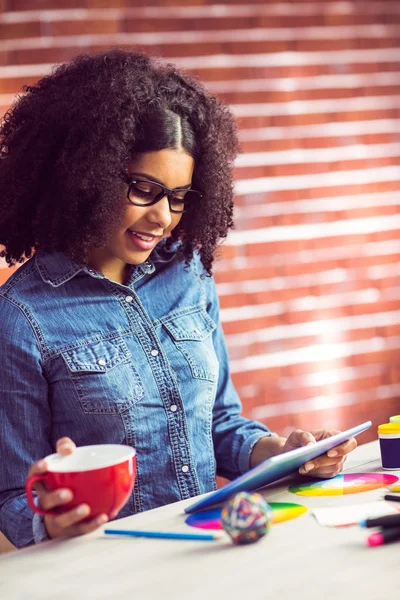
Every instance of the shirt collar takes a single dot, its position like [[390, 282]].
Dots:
[[57, 268]]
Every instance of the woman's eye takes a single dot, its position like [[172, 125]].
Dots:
[[179, 198], [141, 190]]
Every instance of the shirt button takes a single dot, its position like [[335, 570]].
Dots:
[[154, 352], [101, 362], [173, 408], [128, 299], [185, 469]]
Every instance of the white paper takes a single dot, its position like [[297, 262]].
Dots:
[[344, 516]]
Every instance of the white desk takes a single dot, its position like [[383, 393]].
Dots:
[[297, 559]]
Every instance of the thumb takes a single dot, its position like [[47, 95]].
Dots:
[[307, 438], [302, 438]]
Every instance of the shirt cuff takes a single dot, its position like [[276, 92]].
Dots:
[[38, 527], [247, 448]]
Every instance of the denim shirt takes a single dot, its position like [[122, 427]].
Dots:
[[143, 364]]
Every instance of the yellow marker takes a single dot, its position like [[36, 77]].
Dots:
[[394, 488]]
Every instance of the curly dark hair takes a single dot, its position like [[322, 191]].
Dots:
[[66, 143]]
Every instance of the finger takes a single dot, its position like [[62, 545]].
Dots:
[[330, 470], [327, 474], [71, 517], [300, 438], [321, 473], [344, 448], [49, 500], [38, 468], [90, 526], [65, 446], [324, 461]]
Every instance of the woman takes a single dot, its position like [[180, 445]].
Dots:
[[116, 179]]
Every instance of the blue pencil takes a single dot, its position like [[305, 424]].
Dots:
[[166, 535]]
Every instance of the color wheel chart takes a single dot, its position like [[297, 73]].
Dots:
[[211, 519], [352, 483]]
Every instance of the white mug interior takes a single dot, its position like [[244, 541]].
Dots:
[[88, 458]]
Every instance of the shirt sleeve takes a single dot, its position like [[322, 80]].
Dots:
[[24, 419], [234, 436]]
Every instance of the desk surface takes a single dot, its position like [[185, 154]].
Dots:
[[298, 559]]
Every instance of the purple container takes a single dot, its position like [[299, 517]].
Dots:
[[389, 439]]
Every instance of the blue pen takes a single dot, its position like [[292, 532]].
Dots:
[[166, 535]]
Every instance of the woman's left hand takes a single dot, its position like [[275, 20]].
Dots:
[[327, 465]]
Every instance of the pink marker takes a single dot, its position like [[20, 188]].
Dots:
[[384, 536]]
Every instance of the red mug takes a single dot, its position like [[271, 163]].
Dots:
[[101, 476]]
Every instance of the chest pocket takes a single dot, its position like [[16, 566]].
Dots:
[[104, 376], [192, 335]]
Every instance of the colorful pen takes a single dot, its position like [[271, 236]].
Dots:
[[384, 537], [388, 521], [391, 497], [166, 535]]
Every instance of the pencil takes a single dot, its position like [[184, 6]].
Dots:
[[166, 535]]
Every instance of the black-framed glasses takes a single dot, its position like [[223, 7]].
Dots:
[[144, 192]]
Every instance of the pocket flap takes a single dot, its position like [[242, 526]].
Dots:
[[195, 326], [99, 357]]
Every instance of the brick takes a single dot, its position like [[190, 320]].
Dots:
[[88, 26], [250, 325], [250, 122], [13, 85], [187, 50], [247, 273], [373, 307], [364, 213], [255, 377], [110, 3], [5, 273], [42, 55], [3, 110], [45, 4], [140, 25], [342, 419], [392, 330], [321, 45], [279, 424], [10, 31], [143, 25]]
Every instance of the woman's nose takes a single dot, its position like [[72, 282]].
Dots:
[[160, 213]]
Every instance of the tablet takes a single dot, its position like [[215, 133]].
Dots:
[[275, 468]]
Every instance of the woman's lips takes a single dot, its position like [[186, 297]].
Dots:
[[142, 241]]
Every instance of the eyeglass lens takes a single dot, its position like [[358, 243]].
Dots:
[[143, 192]]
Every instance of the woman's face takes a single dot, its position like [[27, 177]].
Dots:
[[172, 168]]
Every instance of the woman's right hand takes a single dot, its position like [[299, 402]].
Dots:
[[67, 524]]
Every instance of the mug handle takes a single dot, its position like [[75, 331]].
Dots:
[[29, 494]]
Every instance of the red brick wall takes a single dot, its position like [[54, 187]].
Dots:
[[309, 281]]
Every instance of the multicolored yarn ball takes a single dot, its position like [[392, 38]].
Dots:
[[246, 517]]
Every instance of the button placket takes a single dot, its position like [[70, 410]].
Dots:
[[176, 423]]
